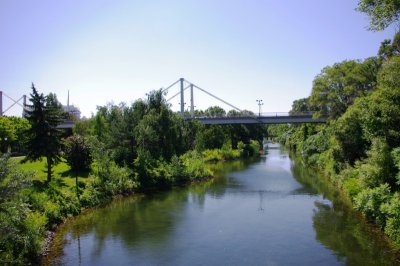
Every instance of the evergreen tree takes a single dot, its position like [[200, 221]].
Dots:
[[44, 116]]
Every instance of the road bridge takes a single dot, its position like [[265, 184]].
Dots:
[[268, 119], [240, 117]]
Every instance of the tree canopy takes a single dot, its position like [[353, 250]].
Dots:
[[382, 13]]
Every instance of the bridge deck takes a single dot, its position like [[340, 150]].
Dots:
[[291, 119]]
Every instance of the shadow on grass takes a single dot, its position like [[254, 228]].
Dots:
[[70, 173], [41, 185]]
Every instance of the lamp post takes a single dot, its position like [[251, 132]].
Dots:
[[260, 103]]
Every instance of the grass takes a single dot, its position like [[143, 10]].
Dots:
[[61, 172]]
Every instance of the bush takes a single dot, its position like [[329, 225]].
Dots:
[[392, 211], [370, 201], [352, 186], [195, 167], [111, 179], [55, 204], [378, 168], [213, 155]]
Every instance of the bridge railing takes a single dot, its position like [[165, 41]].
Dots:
[[247, 114]]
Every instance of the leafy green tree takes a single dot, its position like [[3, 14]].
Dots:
[[99, 126], [301, 106], [159, 131], [21, 126], [390, 48], [44, 115], [82, 127], [382, 13], [348, 131], [77, 154], [210, 137], [7, 133], [389, 76], [215, 111], [336, 87], [380, 110]]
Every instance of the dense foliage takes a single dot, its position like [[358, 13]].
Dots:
[[21, 229], [382, 13], [144, 147], [359, 147]]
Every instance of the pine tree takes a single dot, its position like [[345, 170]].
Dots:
[[44, 115]]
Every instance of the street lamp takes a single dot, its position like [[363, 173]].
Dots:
[[260, 103]]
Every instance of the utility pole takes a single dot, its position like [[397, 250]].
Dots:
[[260, 103]]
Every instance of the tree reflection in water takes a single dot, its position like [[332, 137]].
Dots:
[[342, 229]]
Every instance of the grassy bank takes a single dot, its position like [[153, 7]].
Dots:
[[47, 204]]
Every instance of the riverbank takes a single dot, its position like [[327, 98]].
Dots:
[[270, 210], [51, 204], [378, 206]]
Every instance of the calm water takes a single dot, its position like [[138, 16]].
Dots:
[[269, 212]]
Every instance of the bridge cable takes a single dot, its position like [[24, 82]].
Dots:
[[15, 102], [163, 90], [177, 93], [216, 97]]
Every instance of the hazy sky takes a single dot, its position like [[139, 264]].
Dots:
[[113, 51]]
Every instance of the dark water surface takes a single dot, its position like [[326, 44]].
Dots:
[[269, 212]]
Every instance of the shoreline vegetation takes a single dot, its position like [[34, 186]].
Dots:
[[146, 147], [122, 150], [358, 149], [197, 167]]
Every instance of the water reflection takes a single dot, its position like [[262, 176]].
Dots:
[[272, 211], [343, 230]]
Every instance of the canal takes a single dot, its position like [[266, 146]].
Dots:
[[272, 211]]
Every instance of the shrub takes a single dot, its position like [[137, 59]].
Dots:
[[195, 167], [378, 168], [370, 200], [392, 210], [352, 186]]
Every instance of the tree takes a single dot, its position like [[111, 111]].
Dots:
[[380, 117], [12, 133], [348, 132], [382, 13], [78, 155], [21, 126], [159, 130], [336, 87], [7, 133], [301, 106], [210, 137], [44, 115], [215, 111], [390, 48]]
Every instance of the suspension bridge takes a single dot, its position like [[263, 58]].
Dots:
[[239, 117]]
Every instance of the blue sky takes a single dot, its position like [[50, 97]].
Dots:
[[113, 51]]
